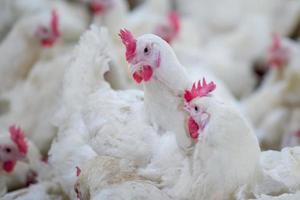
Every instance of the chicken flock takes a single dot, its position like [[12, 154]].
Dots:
[[149, 100]]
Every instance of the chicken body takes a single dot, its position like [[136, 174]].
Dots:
[[23, 34], [95, 117], [19, 159], [118, 180], [225, 146]]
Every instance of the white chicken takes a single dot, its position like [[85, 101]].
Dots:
[[31, 34], [14, 150], [12, 10], [222, 136], [235, 51], [279, 87]]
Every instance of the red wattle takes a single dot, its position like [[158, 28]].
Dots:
[[47, 42], [193, 128], [96, 8], [9, 166], [146, 73], [137, 77]]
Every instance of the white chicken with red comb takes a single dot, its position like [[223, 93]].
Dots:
[[20, 160], [31, 34], [226, 150], [12, 10], [154, 63], [13, 148]]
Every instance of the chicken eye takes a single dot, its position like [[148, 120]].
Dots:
[[7, 150], [196, 108], [146, 50]]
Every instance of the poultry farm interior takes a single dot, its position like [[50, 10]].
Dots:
[[149, 100]]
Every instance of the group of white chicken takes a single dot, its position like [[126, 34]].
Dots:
[[168, 100]]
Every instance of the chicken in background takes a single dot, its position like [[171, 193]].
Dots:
[[146, 16], [229, 43], [231, 55], [169, 30], [74, 19], [277, 97], [73, 16], [33, 102], [31, 34], [12, 10], [18, 158], [34, 34], [109, 13], [282, 14], [12, 149], [42, 83], [219, 17]]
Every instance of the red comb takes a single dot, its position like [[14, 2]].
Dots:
[[174, 20], [199, 90], [54, 23], [129, 42], [17, 136]]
